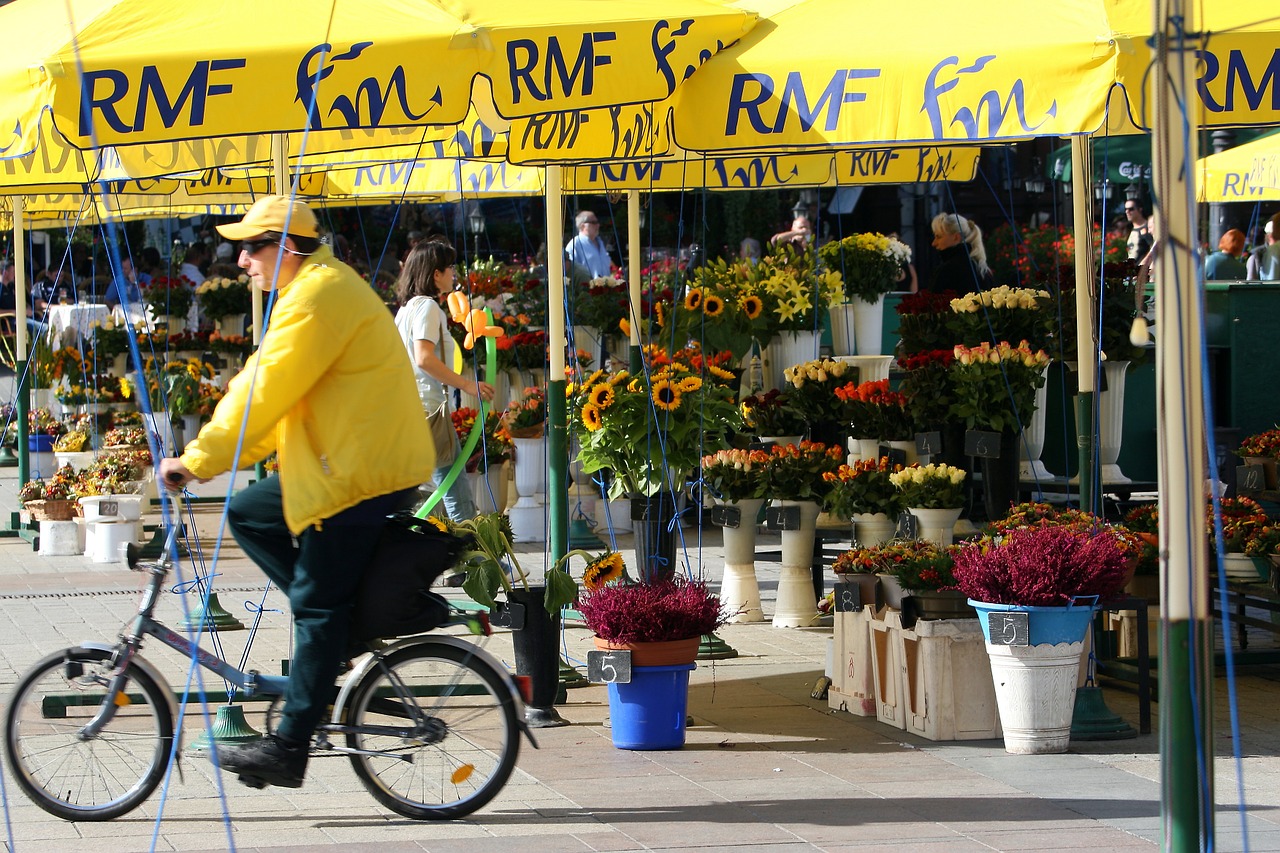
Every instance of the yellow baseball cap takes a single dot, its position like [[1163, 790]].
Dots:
[[270, 213]]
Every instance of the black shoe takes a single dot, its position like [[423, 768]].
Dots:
[[267, 761]]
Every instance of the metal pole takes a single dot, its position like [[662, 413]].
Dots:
[[1086, 318], [1186, 662], [557, 410], [633, 278], [20, 295]]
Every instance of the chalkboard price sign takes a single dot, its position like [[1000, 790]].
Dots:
[[507, 614], [726, 516], [928, 443], [1009, 628], [982, 443], [612, 667], [782, 518], [1250, 478]]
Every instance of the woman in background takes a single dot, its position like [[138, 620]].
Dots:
[[428, 272], [1225, 264], [964, 259]]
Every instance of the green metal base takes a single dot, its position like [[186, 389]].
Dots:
[[154, 549], [213, 618], [570, 677], [229, 728], [580, 536], [1093, 720], [711, 647], [7, 458]]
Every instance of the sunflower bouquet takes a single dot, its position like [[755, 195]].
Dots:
[[652, 430], [716, 311]]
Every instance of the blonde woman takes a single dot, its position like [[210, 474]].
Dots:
[[963, 259]]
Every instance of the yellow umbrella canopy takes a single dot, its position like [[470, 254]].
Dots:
[[837, 73], [1249, 172], [127, 71]]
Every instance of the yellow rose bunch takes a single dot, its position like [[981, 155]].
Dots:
[[1005, 313], [934, 486]]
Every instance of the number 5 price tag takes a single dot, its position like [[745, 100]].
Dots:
[[612, 667]]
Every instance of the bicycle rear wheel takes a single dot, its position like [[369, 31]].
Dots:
[[98, 778], [442, 724]]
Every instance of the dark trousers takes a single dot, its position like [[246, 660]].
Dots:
[[319, 572]]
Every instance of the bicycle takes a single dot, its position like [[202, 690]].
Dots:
[[90, 729]]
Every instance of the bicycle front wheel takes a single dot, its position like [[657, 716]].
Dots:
[[86, 778], [438, 731]]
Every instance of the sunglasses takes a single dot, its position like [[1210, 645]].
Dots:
[[1130, 209], [252, 247]]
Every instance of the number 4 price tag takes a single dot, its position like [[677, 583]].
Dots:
[[613, 667]]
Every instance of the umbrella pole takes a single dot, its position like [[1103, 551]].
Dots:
[[1186, 637], [21, 295], [1086, 319], [557, 410], [633, 278]]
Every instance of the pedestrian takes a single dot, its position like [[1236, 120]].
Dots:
[[1225, 264], [963, 257], [333, 396], [428, 274]]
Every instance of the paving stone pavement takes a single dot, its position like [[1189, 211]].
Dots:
[[766, 767]]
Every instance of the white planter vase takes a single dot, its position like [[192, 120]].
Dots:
[[489, 488], [797, 604], [613, 516], [782, 439], [740, 590], [528, 516], [869, 325], [873, 528], [868, 448], [871, 368], [119, 364], [908, 448], [843, 329], [588, 338], [175, 324], [785, 350], [231, 325], [1110, 423], [1035, 691], [1030, 468], [936, 525]]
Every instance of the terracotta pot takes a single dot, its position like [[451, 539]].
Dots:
[[667, 653]]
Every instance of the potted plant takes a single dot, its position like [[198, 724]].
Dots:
[[738, 479], [487, 462], [659, 625], [869, 265], [923, 573], [652, 431], [934, 494], [1034, 589], [1262, 449], [1004, 314], [926, 322], [859, 567], [1242, 519], [792, 293], [169, 300], [876, 414], [796, 485], [865, 493], [812, 386], [774, 415], [228, 298]]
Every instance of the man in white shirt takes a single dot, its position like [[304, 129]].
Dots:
[[587, 248], [196, 254]]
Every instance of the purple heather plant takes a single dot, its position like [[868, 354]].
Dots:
[[651, 613], [1042, 566]]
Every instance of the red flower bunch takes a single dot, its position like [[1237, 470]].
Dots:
[[875, 412], [928, 358], [927, 302], [926, 321], [1263, 444], [651, 613], [862, 487], [1043, 566]]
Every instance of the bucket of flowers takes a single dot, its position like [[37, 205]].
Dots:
[[52, 500], [934, 494], [865, 493], [875, 414], [869, 264], [1005, 314], [926, 322], [923, 574], [774, 415], [527, 416], [169, 297], [1262, 449], [224, 297], [812, 385]]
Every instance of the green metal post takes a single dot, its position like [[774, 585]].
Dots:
[[1085, 447], [1186, 748], [558, 468], [23, 402]]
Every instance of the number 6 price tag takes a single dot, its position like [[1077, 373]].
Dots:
[[613, 667]]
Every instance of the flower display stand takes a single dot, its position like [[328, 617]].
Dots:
[[60, 539], [785, 350], [868, 319], [852, 681], [1035, 676], [1030, 468], [871, 368], [1110, 423], [844, 329], [529, 514], [489, 488], [947, 691], [936, 525], [796, 604], [887, 668], [740, 590], [873, 528]]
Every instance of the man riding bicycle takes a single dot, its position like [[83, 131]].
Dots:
[[330, 392]]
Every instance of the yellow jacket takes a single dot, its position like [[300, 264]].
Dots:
[[332, 392]]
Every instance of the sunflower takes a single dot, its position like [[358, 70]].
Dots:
[[666, 395], [659, 314], [689, 383], [713, 306], [601, 395], [693, 299], [719, 372], [752, 306], [591, 417], [601, 570], [437, 523]]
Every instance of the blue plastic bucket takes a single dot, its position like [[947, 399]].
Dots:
[[1051, 625], [40, 443], [649, 711]]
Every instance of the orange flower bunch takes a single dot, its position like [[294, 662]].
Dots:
[[875, 412]]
